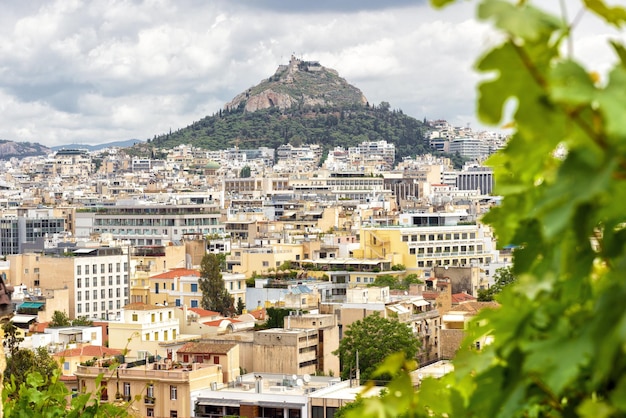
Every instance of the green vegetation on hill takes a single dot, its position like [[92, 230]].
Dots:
[[327, 126]]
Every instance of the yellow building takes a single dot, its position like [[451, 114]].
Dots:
[[144, 330], [180, 287]]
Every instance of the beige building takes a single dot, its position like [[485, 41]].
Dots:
[[162, 389], [305, 345]]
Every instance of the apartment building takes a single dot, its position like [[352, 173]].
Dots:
[[28, 230], [305, 345], [161, 389], [153, 224], [144, 330], [96, 279]]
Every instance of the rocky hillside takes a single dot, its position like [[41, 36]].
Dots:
[[300, 83], [10, 149], [302, 103]]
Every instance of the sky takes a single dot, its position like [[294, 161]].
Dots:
[[96, 71]]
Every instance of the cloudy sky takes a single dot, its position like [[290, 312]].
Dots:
[[95, 71]]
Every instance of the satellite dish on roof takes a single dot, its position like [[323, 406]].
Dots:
[[306, 378], [294, 377], [299, 382]]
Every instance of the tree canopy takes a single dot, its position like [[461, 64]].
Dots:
[[215, 297], [558, 337], [502, 278], [374, 338]]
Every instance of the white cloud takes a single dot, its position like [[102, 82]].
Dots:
[[103, 70]]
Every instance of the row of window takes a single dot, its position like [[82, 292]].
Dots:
[[452, 262], [155, 336], [439, 237], [94, 281], [153, 316], [85, 308], [104, 268], [453, 249], [103, 294]]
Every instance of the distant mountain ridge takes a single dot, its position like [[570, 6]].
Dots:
[[97, 147], [12, 149]]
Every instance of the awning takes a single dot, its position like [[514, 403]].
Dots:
[[421, 303], [217, 402], [278, 404], [84, 250], [23, 319], [31, 305]]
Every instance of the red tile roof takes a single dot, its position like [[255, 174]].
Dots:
[[203, 312], [172, 274], [217, 322], [89, 351], [462, 297]]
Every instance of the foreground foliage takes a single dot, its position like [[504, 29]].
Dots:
[[560, 335]]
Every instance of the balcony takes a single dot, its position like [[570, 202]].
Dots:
[[149, 400]]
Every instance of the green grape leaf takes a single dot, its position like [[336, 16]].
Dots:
[[571, 84], [525, 22], [441, 3], [614, 15]]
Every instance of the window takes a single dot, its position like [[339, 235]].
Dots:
[[102, 281], [161, 316], [177, 302], [117, 268], [126, 389], [173, 392], [79, 296], [216, 359], [150, 390], [95, 306], [149, 412], [110, 293], [118, 292], [110, 280], [173, 414], [95, 294], [194, 287], [147, 338], [135, 317], [94, 269], [87, 295], [165, 335], [266, 264], [110, 267], [117, 279], [102, 293], [95, 281], [317, 412], [79, 308], [194, 303], [78, 270], [152, 318], [78, 283]]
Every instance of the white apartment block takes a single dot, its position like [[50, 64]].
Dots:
[[101, 283], [149, 224]]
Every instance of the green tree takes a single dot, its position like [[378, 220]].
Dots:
[[276, 317], [60, 319], [24, 361], [82, 321], [240, 306], [215, 297], [558, 337], [245, 172], [374, 338], [502, 278], [12, 340]]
